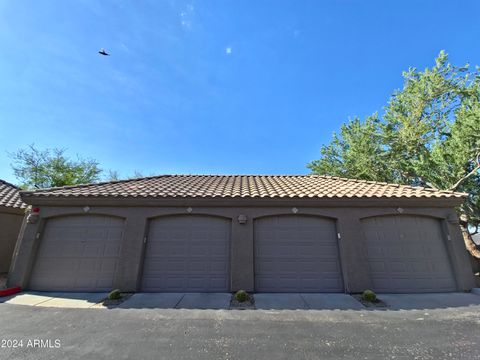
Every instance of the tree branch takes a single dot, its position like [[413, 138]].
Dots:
[[475, 169]]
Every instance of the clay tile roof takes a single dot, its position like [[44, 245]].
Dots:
[[10, 196], [246, 186]]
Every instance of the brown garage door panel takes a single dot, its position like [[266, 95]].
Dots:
[[296, 254], [187, 254], [407, 254], [78, 253]]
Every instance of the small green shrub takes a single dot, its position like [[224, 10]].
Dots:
[[369, 295], [114, 295], [241, 296]]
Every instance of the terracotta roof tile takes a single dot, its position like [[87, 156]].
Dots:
[[10, 196], [249, 186]]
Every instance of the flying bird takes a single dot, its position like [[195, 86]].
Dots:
[[103, 52]]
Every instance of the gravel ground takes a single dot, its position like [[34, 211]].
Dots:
[[249, 304]]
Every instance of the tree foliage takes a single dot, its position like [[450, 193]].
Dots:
[[36, 168], [428, 135], [114, 175]]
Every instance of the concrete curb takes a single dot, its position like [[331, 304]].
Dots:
[[10, 291], [291, 301]]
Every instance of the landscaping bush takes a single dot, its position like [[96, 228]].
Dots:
[[369, 295], [114, 295], [241, 296]]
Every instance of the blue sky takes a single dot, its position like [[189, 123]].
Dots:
[[210, 87]]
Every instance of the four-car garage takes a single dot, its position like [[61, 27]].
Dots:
[[195, 241]]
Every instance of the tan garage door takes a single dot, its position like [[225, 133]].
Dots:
[[407, 254], [188, 253], [78, 253], [296, 254]]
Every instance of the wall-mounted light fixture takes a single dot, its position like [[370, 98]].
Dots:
[[242, 219], [189, 210], [33, 216], [294, 210]]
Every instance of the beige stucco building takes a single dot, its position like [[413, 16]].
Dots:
[[11, 214]]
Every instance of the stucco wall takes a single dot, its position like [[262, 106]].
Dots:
[[10, 223], [348, 224]]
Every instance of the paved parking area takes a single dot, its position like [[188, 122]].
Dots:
[[450, 333]]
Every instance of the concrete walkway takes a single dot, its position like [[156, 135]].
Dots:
[[56, 299], [262, 301], [217, 301], [429, 301], [306, 302], [200, 301]]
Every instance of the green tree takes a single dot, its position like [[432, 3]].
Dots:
[[35, 168], [357, 152], [428, 135], [113, 175]]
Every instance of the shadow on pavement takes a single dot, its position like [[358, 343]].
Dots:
[[214, 301], [429, 301], [263, 301]]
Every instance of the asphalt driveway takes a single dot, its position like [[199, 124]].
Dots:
[[446, 333]]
